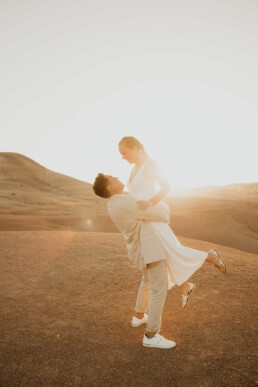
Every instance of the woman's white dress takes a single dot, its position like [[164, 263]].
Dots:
[[182, 261]]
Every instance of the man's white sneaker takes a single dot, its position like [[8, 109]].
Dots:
[[158, 341], [136, 322]]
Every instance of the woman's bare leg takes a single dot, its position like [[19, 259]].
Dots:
[[184, 288]]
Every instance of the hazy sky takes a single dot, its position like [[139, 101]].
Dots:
[[182, 76]]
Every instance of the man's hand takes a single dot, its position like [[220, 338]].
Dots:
[[143, 204]]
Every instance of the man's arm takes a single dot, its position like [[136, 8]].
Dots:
[[159, 213]]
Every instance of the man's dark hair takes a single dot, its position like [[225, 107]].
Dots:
[[100, 186]]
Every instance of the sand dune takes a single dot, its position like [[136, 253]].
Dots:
[[66, 303], [232, 223], [35, 198], [248, 191]]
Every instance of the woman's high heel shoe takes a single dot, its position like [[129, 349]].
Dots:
[[185, 298], [220, 263]]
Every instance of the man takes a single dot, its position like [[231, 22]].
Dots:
[[145, 252]]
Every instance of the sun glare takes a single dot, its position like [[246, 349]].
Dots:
[[193, 130]]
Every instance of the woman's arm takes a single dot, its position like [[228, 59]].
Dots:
[[165, 188], [152, 171]]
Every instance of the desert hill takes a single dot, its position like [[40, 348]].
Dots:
[[248, 191], [35, 198], [232, 223]]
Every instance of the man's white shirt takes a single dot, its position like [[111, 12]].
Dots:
[[143, 245]]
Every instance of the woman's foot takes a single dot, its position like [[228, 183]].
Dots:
[[218, 261], [186, 296]]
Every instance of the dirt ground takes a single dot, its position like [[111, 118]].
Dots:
[[66, 303]]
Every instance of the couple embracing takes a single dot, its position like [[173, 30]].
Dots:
[[143, 218]]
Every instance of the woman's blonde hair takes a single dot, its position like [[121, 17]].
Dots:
[[131, 142]]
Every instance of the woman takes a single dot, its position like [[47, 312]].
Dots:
[[148, 185]]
